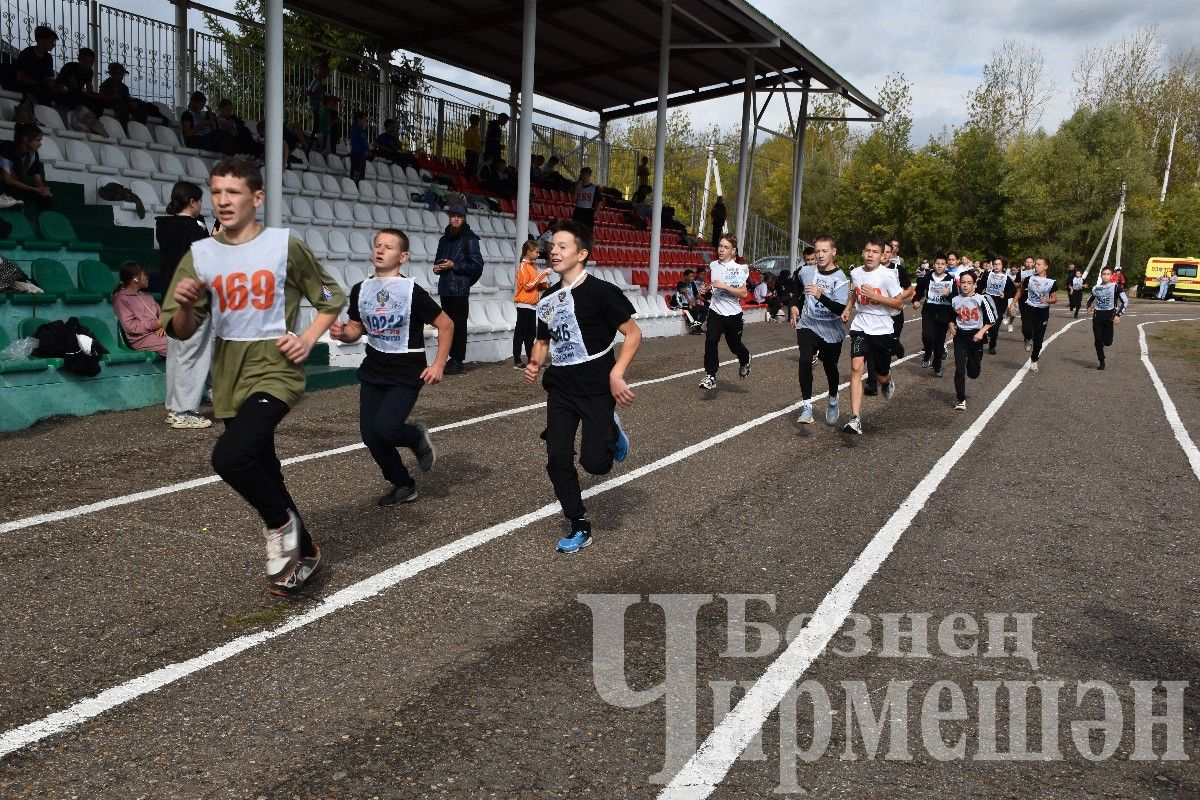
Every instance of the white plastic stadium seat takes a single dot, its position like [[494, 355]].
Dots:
[[482, 224], [302, 213], [343, 214], [330, 187], [145, 191], [366, 192], [399, 220], [52, 155], [323, 214], [334, 165], [362, 216], [495, 315], [316, 243], [113, 156], [339, 245], [141, 134], [433, 222], [196, 170], [349, 190], [477, 320], [48, 117], [311, 185], [316, 161], [510, 226], [413, 221], [141, 163], [81, 154], [113, 130], [379, 217], [291, 182], [169, 138], [360, 246], [383, 192]]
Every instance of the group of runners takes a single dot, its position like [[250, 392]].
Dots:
[[249, 280]]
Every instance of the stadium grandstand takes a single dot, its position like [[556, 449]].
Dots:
[[111, 177]]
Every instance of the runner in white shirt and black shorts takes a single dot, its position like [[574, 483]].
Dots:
[[392, 312], [727, 280], [876, 296]]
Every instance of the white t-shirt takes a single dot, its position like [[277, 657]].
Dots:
[[733, 274], [874, 319]]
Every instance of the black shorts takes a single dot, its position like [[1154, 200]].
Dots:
[[877, 349]]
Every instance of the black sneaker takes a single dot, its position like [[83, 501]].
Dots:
[[454, 368], [518, 364], [398, 494], [423, 449], [898, 349], [744, 369], [870, 389], [991, 351], [938, 374], [926, 363], [1101, 366]]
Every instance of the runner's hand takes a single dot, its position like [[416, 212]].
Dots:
[[1116, 320], [794, 316], [978, 337], [620, 390], [188, 291], [432, 374], [294, 347], [336, 330], [531, 371]]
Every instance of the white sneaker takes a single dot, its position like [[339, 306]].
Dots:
[[1010, 327], [962, 406], [709, 382], [283, 546], [853, 426], [8, 201], [1033, 367], [189, 421]]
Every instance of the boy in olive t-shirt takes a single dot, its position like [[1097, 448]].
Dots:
[[250, 280]]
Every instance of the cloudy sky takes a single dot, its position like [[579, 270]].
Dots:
[[941, 46]]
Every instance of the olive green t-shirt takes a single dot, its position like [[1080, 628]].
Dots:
[[239, 369]]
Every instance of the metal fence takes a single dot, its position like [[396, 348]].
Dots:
[[145, 46], [68, 18]]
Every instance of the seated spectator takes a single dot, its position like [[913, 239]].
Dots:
[[22, 172], [552, 179], [200, 130], [137, 310], [387, 143], [294, 138], [535, 170], [35, 69], [768, 292], [81, 98], [235, 126], [681, 300], [115, 95]]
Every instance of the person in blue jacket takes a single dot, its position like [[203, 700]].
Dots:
[[458, 265]]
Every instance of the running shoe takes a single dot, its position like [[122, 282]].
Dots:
[[962, 406], [398, 494], [423, 449], [622, 451], [574, 543], [806, 415], [1010, 327], [283, 546], [938, 373], [189, 421], [709, 382], [744, 369], [171, 417], [518, 364], [294, 580], [870, 388], [926, 363], [853, 426], [831, 413], [1101, 365], [1028, 346], [991, 351], [889, 389], [1033, 367]]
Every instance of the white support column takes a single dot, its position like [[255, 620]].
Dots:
[[183, 56], [525, 141], [602, 165], [709, 168], [513, 110], [1120, 228], [798, 175], [272, 173], [660, 144], [384, 86], [743, 205]]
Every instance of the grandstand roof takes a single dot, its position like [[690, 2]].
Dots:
[[598, 55]]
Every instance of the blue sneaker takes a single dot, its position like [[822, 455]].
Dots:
[[574, 543], [622, 440], [806, 416], [831, 415]]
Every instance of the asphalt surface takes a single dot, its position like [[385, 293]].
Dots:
[[474, 677]]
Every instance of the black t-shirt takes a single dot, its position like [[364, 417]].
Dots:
[[73, 72], [600, 308], [36, 66], [402, 368], [114, 87]]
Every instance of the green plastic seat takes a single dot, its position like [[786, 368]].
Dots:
[[27, 364], [117, 352], [22, 233], [57, 228], [96, 277], [53, 277]]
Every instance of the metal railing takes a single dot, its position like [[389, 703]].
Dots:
[[70, 19], [145, 46], [765, 239]]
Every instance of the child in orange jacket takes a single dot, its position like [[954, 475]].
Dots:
[[529, 287]]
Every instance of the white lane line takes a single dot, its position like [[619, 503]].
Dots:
[[195, 483], [88, 708], [706, 768], [1177, 426]]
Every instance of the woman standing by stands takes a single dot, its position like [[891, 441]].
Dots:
[[188, 360], [529, 287], [137, 311]]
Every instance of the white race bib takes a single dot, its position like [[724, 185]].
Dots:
[[557, 311], [246, 285], [996, 281], [385, 307]]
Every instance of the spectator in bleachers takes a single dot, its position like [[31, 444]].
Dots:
[[681, 299], [115, 95], [535, 169], [317, 90], [697, 304], [200, 130], [587, 199], [22, 171], [529, 285], [360, 146], [552, 179], [387, 143], [472, 145], [188, 360], [643, 176], [458, 264], [78, 78], [493, 140], [330, 130], [137, 311], [35, 69], [719, 214], [235, 126]]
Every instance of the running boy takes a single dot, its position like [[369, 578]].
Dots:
[[1105, 295], [578, 321], [1036, 295], [728, 283], [935, 290], [1075, 296], [818, 322], [974, 314], [877, 294], [392, 311], [250, 280]]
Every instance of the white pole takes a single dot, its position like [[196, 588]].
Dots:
[[602, 164], [798, 175], [183, 61], [1162, 198], [660, 145], [384, 85], [273, 173], [525, 138], [708, 171], [1120, 227], [1100, 244], [743, 206]]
